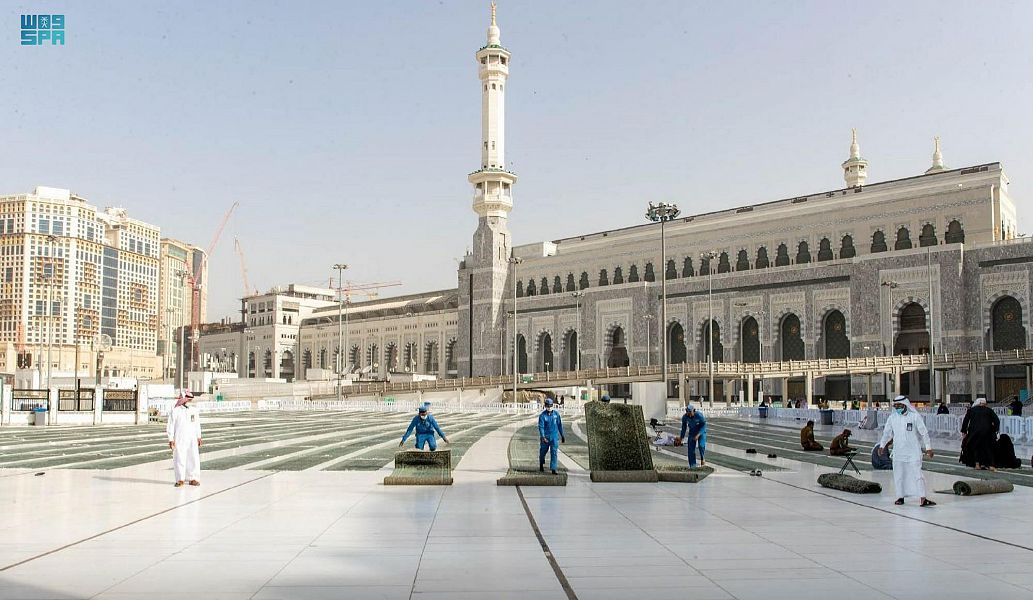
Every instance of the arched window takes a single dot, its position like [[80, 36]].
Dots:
[[322, 358], [672, 270], [903, 239], [742, 262], [762, 258], [750, 340], [306, 359], [825, 249], [520, 289], [928, 236], [571, 286], [782, 256], [572, 349], [1007, 332], [803, 253], [522, 353], [583, 283], [704, 265], [955, 233], [531, 291], [557, 284], [373, 356], [618, 276], [676, 344], [711, 330], [837, 345], [879, 242], [846, 247], [633, 274], [649, 274], [686, 269], [544, 289], [391, 357], [792, 342], [723, 266], [353, 358]]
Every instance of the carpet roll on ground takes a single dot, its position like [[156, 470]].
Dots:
[[978, 487], [846, 483], [416, 467], [523, 462], [682, 474], [611, 476], [617, 443]]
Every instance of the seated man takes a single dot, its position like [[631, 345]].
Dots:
[[841, 444], [883, 461], [807, 438]]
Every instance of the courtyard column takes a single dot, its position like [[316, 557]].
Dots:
[[276, 363], [684, 387], [868, 397], [896, 383], [749, 389], [973, 378], [1029, 380], [808, 385], [784, 383]]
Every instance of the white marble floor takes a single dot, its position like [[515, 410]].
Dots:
[[128, 533]]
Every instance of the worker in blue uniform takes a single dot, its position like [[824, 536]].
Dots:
[[550, 430], [693, 423], [425, 426]]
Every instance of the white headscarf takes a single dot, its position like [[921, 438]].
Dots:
[[903, 400], [979, 401]]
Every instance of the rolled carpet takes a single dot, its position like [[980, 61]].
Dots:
[[637, 476], [523, 461], [682, 474], [978, 487], [846, 483], [416, 467]]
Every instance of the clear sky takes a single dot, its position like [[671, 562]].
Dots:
[[346, 129]]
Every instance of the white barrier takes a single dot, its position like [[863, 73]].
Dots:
[[1015, 427]]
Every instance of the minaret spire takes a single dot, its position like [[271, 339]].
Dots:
[[493, 29], [855, 168], [937, 158]]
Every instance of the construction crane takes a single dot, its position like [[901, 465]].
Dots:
[[370, 290], [195, 280], [248, 290]]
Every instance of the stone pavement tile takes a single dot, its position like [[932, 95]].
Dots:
[[325, 570], [380, 592], [619, 570], [770, 573], [489, 586], [942, 584], [695, 593], [837, 587], [201, 577], [500, 595], [635, 584]]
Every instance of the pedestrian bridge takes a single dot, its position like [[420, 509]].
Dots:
[[893, 366]]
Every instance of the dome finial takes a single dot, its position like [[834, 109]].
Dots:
[[493, 12], [855, 149], [937, 158]]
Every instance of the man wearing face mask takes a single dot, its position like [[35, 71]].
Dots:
[[909, 434], [550, 430], [425, 426]]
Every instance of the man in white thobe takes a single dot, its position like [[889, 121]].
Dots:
[[184, 430], [910, 436]]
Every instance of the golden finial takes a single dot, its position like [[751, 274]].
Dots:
[[493, 13]]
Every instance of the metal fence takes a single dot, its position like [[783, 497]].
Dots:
[[67, 401], [27, 400], [119, 400]]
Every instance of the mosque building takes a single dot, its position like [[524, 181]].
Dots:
[[869, 269]]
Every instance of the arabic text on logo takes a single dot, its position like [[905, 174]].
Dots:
[[37, 30]]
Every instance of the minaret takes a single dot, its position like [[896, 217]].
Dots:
[[855, 168], [937, 158], [483, 277]]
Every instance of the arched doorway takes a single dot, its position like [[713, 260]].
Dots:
[[267, 364], [410, 358], [1007, 333], [287, 366], [521, 354], [353, 359], [431, 361], [570, 345], [450, 359], [545, 358], [251, 358], [750, 340], [711, 330], [618, 357], [676, 351], [373, 358], [836, 344], [790, 338], [912, 338]]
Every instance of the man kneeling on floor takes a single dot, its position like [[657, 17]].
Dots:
[[550, 430], [841, 444], [807, 438], [425, 425], [906, 429]]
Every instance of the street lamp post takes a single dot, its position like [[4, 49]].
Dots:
[[577, 332], [340, 323], [742, 337], [649, 343], [515, 261], [709, 257], [663, 212], [50, 305]]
